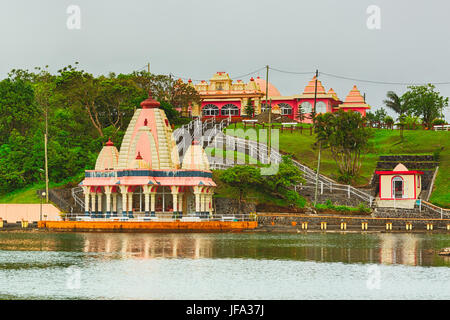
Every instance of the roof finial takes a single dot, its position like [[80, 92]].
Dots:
[[109, 143]]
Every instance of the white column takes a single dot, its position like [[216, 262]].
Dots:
[[94, 209], [86, 202], [152, 203], [100, 209], [147, 203], [114, 204], [124, 204], [197, 202], [175, 204], [130, 204], [108, 204], [180, 204], [210, 203]]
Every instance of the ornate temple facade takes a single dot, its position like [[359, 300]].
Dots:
[[146, 177], [222, 98]]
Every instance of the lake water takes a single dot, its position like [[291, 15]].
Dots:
[[36, 265]]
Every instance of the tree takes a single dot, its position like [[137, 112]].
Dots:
[[250, 108], [242, 178], [425, 102], [165, 88], [17, 107], [380, 115], [300, 114], [395, 103], [389, 122], [287, 176], [346, 136]]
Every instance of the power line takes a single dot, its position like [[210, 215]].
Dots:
[[380, 82], [292, 72]]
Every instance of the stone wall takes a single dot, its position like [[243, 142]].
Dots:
[[227, 206]]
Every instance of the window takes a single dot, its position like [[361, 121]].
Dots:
[[210, 110], [285, 109], [306, 107], [321, 107], [219, 86], [264, 107], [230, 109], [397, 187]]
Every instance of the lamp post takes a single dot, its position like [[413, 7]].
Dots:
[[43, 194]]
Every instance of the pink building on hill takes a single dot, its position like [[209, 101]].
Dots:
[[222, 98]]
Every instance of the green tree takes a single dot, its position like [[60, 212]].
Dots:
[[395, 103], [389, 122], [425, 102], [250, 108], [282, 183], [242, 178], [346, 136]]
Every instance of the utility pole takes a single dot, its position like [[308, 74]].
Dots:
[[320, 143], [315, 92], [148, 67], [270, 113], [46, 154], [317, 173]]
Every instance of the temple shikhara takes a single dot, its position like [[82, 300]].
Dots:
[[146, 177], [222, 97]]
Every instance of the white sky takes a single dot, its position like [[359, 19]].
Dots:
[[196, 38]]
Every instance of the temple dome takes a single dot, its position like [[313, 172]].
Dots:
[[195, 158], [149, 133], [400, 167], [354, 96], [272, 92], [311, 87], [108, 157]]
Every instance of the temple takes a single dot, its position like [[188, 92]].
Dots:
[[222, 98], [146, 178]]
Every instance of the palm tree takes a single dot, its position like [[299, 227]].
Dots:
[[395, 103]]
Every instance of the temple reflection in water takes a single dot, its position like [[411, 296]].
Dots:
[[407, 249]]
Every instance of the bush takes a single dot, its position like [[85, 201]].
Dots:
[[438, 122]]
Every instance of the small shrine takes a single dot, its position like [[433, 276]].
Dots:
[[399, 188]]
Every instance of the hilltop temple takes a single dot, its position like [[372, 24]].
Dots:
[[146, 178], [222, 98]]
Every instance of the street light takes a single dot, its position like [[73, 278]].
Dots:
[[43, 194]]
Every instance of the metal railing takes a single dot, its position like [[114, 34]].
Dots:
[[261, 150]]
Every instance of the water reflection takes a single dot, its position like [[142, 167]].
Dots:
[[380, 248]]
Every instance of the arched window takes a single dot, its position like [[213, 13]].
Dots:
[[285, 109], [264, 107], [306, 107], [230, 109], [321, 107], [397, 187], [210, 110]]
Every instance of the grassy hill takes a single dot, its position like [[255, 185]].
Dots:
[[384, 142]]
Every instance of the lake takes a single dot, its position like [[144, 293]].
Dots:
[[42, 265]]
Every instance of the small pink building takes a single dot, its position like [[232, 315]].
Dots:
[[399, 188]]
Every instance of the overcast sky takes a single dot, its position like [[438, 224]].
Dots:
[[196, 38]]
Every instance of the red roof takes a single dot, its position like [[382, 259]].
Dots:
[[399, 172]]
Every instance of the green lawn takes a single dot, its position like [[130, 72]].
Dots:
[[384, 142]]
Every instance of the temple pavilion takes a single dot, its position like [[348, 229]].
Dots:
[[146, 177]]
